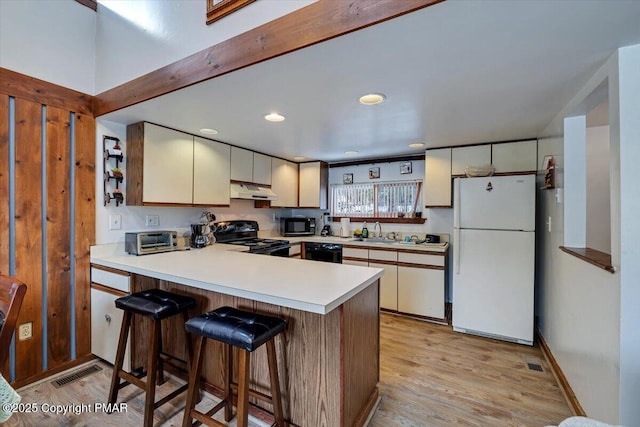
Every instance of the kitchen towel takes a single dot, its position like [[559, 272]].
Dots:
[[7, 396]]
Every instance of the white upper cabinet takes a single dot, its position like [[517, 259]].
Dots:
[[437, 178], [476, 155], [211, 171], [241, 164], [314, 181], [261, 169], [284, 182], [515, 156], [168, 166], [247, 166]]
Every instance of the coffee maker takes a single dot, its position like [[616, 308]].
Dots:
[[200, 235]]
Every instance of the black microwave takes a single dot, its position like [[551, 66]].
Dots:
[[298, 226]]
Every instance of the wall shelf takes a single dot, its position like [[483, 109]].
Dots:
[[112, 175]]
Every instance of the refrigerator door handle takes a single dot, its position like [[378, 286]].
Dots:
[[456, 203], [456, 250]]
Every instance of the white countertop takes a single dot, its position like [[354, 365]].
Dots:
[[426, 247], [315, 287]]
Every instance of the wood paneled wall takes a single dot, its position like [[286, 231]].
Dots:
[[49, 133]]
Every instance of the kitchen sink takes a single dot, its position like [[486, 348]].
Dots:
[[374, 240]]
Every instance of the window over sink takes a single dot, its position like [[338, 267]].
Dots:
[[388, 200]]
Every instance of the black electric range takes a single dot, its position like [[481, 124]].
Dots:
[[245, 233]]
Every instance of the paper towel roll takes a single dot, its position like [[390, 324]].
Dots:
[[345, 227]]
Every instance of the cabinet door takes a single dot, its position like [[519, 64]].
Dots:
[[314, 185], [284, 182], [421, 291], [106, 321], [241, 164], [515, 156], [437, 178], [168, 166], [388, 285], [261, 169], [211, 172], [477, 155]]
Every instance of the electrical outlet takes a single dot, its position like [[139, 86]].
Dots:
[[115, 222], [25, 331], [152, 220]]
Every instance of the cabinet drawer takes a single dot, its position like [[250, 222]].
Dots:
[[355, 253], [424, 259], [378, 255], [359, 263], [110, 279]]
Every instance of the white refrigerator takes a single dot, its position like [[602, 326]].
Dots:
[[494, 256]]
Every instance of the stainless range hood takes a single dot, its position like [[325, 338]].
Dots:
[[252, 192]]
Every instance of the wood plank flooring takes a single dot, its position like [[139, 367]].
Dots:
[[429, 376], [432, 376]]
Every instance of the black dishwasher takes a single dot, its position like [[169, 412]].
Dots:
[[326, 252]]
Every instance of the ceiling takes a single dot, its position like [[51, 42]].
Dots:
[[455, 73]]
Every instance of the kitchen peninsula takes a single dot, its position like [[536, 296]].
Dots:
[[329, 357]]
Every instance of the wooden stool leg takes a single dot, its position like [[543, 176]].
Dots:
[[152, 367], [122, 345], [160, 367], [228, 395], [276, 397], [243, 387], [194, 381]]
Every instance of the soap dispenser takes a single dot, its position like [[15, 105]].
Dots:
[[365, 230]]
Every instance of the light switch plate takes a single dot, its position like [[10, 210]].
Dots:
[[115, 222]]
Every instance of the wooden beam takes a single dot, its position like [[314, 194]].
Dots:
[[42, 92], [318, 22]]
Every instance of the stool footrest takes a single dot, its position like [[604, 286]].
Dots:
[[204, 419], [255, 394], [132, 379], [171, 395]]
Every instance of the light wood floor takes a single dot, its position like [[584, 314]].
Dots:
[[430, 376]]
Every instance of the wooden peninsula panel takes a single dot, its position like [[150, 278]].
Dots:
[[328, 364]]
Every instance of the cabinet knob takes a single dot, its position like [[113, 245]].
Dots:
[[107, 318]]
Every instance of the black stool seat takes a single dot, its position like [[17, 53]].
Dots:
[[155, 303], [236, 327]]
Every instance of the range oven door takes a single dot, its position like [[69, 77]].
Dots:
[[281, 251], [326, 252]]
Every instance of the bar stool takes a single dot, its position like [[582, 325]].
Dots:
[[156, 305], [247, 331]]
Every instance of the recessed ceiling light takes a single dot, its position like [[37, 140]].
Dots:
[[372, 98], [417, 145], [351, 152], [299, 158], [274, 117], [208, 131]]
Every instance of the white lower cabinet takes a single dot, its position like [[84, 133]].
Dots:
[[106, 321], [421, 291], [388, 286]]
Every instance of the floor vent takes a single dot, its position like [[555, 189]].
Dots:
[[76, 376], [535, 367]]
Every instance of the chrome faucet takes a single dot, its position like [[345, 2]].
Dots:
[[377, 224]]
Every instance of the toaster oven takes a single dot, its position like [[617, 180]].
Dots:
[[150, 242]]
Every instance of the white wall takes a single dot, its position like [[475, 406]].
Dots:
[[173, 218], [598, 228], [577, 305], [149, 34], [590, 317], [49, 40]]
